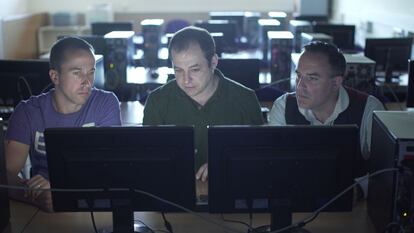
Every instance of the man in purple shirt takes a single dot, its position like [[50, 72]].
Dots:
[[73, 102]]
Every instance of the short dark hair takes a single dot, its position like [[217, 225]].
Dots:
[[335, 56], [65, 45], [183, 38]]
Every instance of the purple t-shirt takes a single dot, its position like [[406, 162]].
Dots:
[[31, 117]]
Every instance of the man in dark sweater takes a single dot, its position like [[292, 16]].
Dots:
[[321, 99], [200, 95]]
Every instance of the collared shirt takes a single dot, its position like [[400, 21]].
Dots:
[[277, 116], [231, 104]]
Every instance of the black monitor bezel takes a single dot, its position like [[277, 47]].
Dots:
[[332, 29], [35, 72], [179, 140], [243, 71], [372, 44], [245, 137]]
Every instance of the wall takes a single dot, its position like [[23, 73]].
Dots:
[[383, 21], [7, 8], [11, 7], [163, 5]]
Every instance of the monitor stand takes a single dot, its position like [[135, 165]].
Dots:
[[280, 217], [123, 218]]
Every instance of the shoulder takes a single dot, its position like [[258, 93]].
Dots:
[[166, 90], [35, 102], [236, 88], [373, 103], [99, 95]]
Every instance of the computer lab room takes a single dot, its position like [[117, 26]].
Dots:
[[242, 116]]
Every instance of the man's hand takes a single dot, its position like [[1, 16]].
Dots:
[[202, 173], [39, 197]]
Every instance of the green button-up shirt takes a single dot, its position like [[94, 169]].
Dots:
[[231, 104]]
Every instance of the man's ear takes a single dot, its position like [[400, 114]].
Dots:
[[214, 62], [337, 81], [54, 76]]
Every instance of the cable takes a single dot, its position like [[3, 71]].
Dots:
[[26, 83], [390, 226], [249, 226], [316, 213], [93, 222], [166, 223], [30, 220], [209, 220], [394, 95], [145, 225], [275, 82], [206, 219]]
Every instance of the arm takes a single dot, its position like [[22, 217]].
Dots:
[[110, 112], [277, 113], [372, 105], [251, 110], [16, 156], [152, 115]]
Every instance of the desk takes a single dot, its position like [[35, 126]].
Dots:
[[355, 221]]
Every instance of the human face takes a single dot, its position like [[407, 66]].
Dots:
[[74, 81], [316, 87], [193, 73]]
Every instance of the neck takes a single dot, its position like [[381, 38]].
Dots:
[[325, 111], [62, 106]]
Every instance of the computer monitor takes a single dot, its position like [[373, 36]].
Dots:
[[390, 54], [22, 78], [102, 28], [343, 35], [244, 71], [155, 159], [410, 89], [280, 169], [237, 17], [228, 28]]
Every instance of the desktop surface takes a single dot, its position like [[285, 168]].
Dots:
[[356, 221]]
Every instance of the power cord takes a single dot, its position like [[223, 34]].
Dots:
[[145, 225], [389, 228], [299, 224], [166, 223], [315, 214], [206, 219], [29, 89], [394, 95], [248, 226], [30, 220]]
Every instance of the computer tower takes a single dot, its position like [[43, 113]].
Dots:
[[390, 194], [297, 27], [280, 49], [4, 198], [282, 17], [266, 26], [151, 32], [308, 37], [120, 51], [252, 29], [360, 73]]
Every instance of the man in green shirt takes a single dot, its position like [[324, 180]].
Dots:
[[200, 95]]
